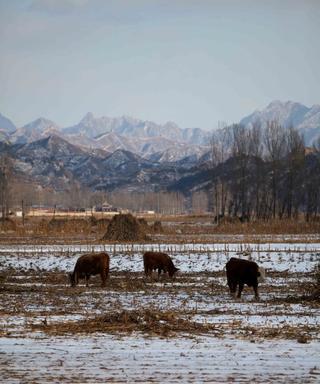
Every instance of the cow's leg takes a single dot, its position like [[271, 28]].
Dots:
[[103, 280], [87, 277], [148, 273], [233, 287], [233, 290], [240, 289], [229, 283], [256, 293], [146, 269], [159, 273], [104, 275]]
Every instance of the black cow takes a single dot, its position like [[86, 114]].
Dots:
[[241, 272]]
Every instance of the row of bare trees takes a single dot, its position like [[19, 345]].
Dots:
[[29, 196], [264, 173]]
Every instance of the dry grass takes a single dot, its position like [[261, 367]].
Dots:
[[7, 224], [249, 228], [153, 322], [147, 321], [272, 226], [170, 228]]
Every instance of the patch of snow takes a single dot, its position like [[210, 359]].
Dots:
[[102, 358], [301, 257]]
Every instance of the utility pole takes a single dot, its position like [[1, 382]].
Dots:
[[22, 209], [3, 190]]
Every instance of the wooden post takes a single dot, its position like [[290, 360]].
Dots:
[[22, 209]]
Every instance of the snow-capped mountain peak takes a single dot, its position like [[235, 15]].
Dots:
[[6, 125], [289, 113]]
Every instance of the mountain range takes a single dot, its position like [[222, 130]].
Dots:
[[306, 120], [144, 138], [108, 153]]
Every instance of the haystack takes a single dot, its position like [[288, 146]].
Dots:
[[93, 221], [157, 226], [143, 222], [7, 224], [125, 227], [103, 223]]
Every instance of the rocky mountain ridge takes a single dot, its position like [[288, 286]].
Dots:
[[110, 153], [163, 143], [289, 113]]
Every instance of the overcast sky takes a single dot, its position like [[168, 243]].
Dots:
[[194, 62]]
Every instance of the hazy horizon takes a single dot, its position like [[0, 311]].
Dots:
[[191, 62]]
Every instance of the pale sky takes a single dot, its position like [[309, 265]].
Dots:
[[194, 62]]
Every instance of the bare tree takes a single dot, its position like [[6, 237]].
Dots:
[[275, 144], [241, 152], [256, 152], [312, 182], [6, 172], [220, 151], [199, 201], [294, 176]]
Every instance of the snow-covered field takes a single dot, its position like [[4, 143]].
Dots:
[[276, 339], [135, 359], [298, 257]]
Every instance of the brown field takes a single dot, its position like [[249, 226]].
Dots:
[[183, 228], [138, 330]]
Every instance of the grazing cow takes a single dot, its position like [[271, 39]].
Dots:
[[158, 261], [90, 264], [240, 272]]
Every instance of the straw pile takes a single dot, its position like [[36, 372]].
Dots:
[[150, 321], [125, 227], [157, 227], [7, 224]]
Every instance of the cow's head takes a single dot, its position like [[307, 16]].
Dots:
[[173, 271]]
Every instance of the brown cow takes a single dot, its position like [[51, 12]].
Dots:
[[90, 264], [240, 272], [158, 261]]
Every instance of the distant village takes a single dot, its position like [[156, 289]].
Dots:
[[102, 210]]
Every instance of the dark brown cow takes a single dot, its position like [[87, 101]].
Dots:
[[240, 272], [158, 261], [91, 264]]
